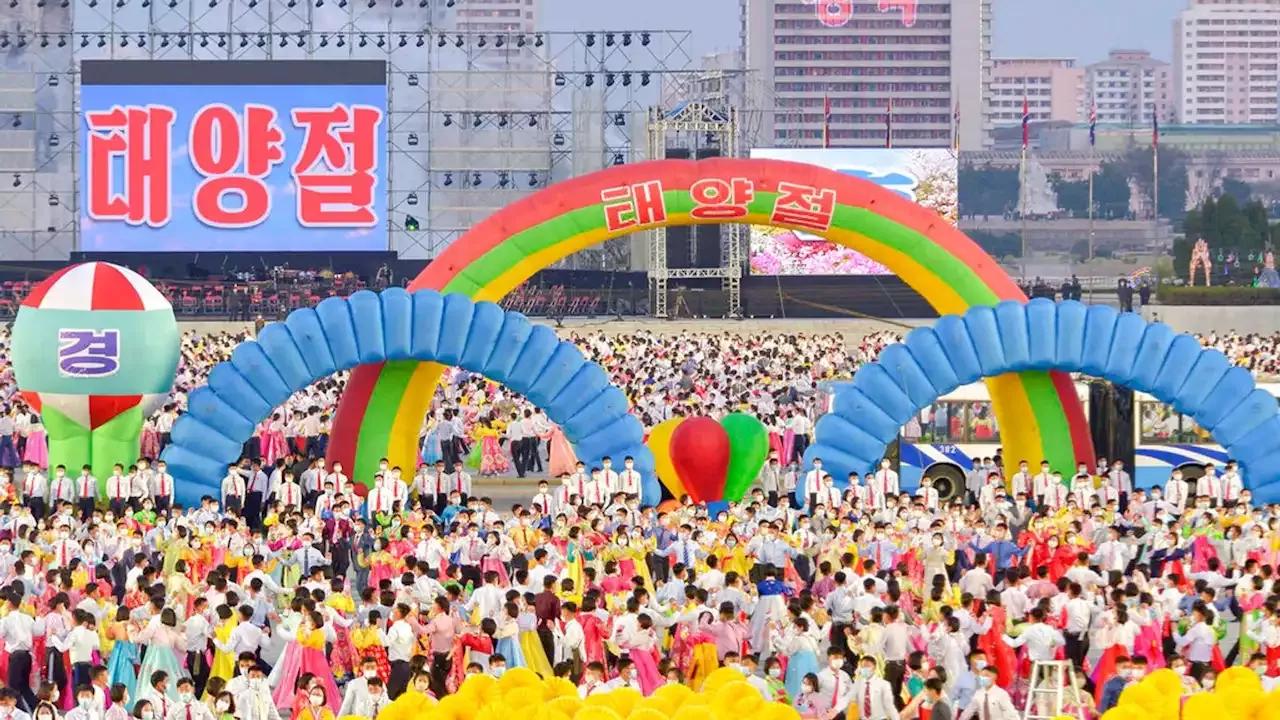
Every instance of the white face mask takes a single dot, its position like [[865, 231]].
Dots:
[[222, 706]]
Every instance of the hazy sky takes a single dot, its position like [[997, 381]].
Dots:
[[1083, 29]]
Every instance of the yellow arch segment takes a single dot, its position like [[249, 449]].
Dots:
[[1019, 433]]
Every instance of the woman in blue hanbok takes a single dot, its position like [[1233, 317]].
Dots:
[[508, 637], [123, 663], [166, 646], [800, 646], [431, 446]]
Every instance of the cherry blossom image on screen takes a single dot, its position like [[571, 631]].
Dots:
[[926, 176]]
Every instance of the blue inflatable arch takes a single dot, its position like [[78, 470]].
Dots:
[[868, 413], [367, 327]]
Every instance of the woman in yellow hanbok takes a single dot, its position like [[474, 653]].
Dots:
[[733, 556], [629, 553], [224, 661]]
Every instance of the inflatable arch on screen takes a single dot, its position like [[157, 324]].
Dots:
[[927, 252], [1096, 340], [396, 326]]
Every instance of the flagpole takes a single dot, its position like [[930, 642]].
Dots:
[[1023, 174], [826, 121], [1093, 142], [1091, 174], [1155, 182]]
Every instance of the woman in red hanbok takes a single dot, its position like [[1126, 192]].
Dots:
[[1061, 558], [998, 652], [595, 629]]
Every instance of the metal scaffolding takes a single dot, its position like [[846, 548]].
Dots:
[[694, 125], [476, 119]]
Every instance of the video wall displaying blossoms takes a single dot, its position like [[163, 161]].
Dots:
[[926, 176]]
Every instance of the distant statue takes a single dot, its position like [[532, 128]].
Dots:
[[1200, 257]]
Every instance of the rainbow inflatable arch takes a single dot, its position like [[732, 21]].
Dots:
[[383, 407]]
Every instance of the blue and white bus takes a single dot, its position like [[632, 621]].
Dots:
[[947, 437]]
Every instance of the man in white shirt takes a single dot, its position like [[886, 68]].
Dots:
[[990, 702], [254, 701], [162, 488], [233, 489], [357, 691], [399, 640], [629, 478], [1040, 639], [34, 489], [188, 707], [18, 630], [874, 695], [813, 484]]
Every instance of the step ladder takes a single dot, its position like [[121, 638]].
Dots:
[[1046, 692]]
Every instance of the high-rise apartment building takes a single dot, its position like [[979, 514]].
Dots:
[[1129, 87], [1053, 89], [1225, 57], [928, 59]]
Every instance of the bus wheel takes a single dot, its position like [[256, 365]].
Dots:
[[948, 480]]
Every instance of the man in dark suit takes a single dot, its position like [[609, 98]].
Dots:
[[940, 707]]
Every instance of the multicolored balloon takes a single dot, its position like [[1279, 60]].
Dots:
[[748, 449], [700, 453], [660, 443], [95, 349]]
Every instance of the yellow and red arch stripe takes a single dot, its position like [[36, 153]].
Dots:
[[382, 410]]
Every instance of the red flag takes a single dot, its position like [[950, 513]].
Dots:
[[1155, 130]]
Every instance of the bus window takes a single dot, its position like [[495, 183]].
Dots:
[[916, 429], [950, 428], [1160, 424], [982, 423]]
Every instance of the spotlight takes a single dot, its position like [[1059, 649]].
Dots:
[[84, 41], [503, 179], [324, 41], [244, 41], [284, 41], [204, 41], [382, 41], [364, 41], [422, 3], [342, 41], [626, 79], [411, 199], [644, 39], [537, 41], [475, 179], [626, 39], [591, 39], [608, 39], [53, 200], [124, 41], [617, 159], [520, 41], [413, 139], [301, 40], [17, 180], [413, 80], [411, 223], [54, 140], [477, 120], [17, 120], [481, 42], [53, 81], [44, 41], [448, 179], [557, 139], [182, 40], [457, 41], [644, 79], [533, 179], [222, 40], [262, 41], [4, 39], [102, 41], [498, 41], [440, 41], [450, 3], [560, 80], [503, 120], [62, 39], [533, 120], [164, 41], [608, 79], [619, 119], [404, 40], [142, 40], [591, 80], [22, 40], [448, 119]]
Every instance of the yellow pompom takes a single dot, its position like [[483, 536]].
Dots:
[[523, 697], [662, 705], [623, 700], [519, 677], [780, 711], [476, 684], [596, 712], [458, 706], [1241, 700], [1203, 706], [1129, 712], [646, 713], [567, 704], [558, 687], [1269, 708], [694, 712], [494, 711], [674, 694], [1141, 695], [1238, 677], [720, 677]]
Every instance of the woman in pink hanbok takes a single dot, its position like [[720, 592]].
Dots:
[[37, 450], [271, 440], [305, 654], [641, 644], [562, 460], [149, 445]]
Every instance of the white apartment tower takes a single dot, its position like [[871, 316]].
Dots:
[[1129, 87], [930, 58], [1225, 56]]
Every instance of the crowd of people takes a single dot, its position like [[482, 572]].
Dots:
[[317, 602]]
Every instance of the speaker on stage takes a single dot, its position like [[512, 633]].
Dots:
[[706, 238]]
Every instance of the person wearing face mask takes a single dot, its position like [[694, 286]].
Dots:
[[1210, 486], [317, 705], [254, 701], [358, 693], [873, 694], [990, 701], [813, 483], [188, 707], [86, 487]]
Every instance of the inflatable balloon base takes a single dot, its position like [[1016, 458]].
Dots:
[[520, 693], [1237, 695], [707, 460]]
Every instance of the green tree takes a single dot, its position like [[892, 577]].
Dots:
[[1237, 189], [988, 190], [1111, 191], [1137, 164], [998, 245], [1073, 195]]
